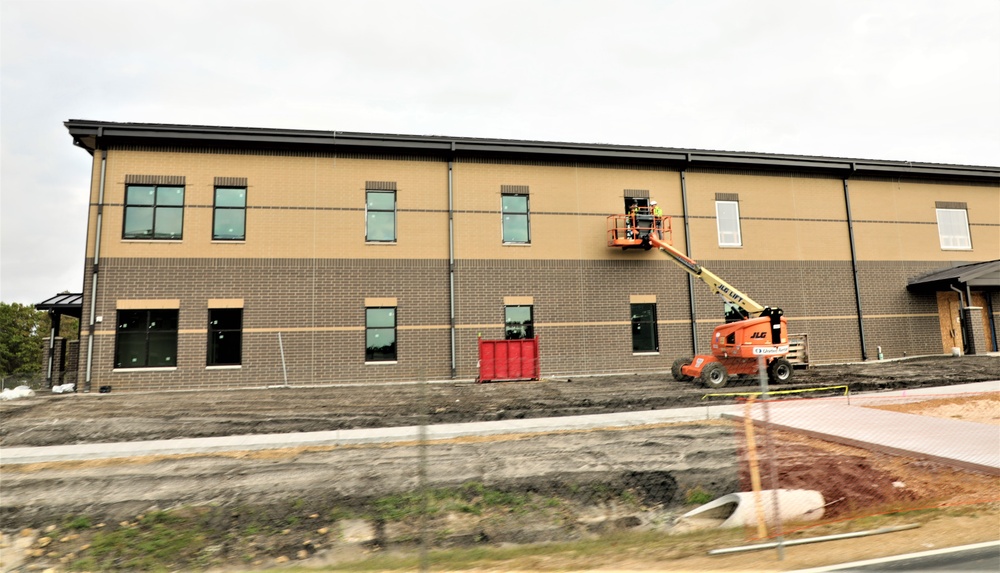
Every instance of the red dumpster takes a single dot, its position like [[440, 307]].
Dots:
[[508, 360]]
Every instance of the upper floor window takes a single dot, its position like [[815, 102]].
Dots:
[[518, 322], [515, 218], [953, 229], [153, 212], [644, 336], [380, 221], [146, 338], [229, 214], [727, 219], [380, 334], [225, 336]]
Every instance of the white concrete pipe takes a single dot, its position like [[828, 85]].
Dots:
[[739, 509]]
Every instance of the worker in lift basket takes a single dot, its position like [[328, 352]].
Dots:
[[630, 220], [657, 216]]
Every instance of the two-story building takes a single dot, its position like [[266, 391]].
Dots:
[[238, 257]]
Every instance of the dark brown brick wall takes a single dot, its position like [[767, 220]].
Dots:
[[581, 311]]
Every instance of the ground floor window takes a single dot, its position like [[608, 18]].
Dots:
[[518, 322], [644, 337], [225, 336], [380, 334], [146, 338]]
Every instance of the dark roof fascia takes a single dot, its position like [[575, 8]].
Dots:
[[981, 275], [92, 135], [68, 304]]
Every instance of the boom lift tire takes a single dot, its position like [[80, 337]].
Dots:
[[675, 369], [714, 375], [779, 371]]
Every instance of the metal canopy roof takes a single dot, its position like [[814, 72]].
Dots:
[[93, 135], [68, 304], [980, 275]]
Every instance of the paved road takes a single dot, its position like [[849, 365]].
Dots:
[[980, 557]]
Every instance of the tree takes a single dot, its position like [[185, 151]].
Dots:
[[22, 334]]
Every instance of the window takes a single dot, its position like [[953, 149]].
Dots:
[[644, 338], [380, 225], [380, 334], [225, 336], [953, 229], [515, 218], [230, 214], [727, 218], [153, 212], [146, 338], [518, 323]]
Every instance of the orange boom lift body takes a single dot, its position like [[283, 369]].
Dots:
[[752, 331]]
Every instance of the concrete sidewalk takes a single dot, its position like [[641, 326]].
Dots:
[[356, 436], [962, 444], [10, 456]]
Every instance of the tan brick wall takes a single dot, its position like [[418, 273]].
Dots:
[[896, 220], [781, 217], [569, 207], [297, 207]]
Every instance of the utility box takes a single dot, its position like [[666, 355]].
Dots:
[[507, 360]]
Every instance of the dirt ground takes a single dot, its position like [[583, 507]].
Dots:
[[51, 419], [307, 488]]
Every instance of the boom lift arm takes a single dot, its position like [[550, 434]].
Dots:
[[749, 308]]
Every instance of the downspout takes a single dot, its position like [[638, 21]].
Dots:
[[993, 325], [451, 256], [53, 328], [687, 251], [961, 295], [854, 267], [92, 325]]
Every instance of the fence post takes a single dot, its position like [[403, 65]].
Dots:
[[769, 446]]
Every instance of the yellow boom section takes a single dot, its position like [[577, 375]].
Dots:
[[718, 286]]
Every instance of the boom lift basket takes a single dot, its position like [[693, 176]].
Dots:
[[633, 230]]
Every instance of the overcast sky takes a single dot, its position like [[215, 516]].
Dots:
[[907, 80]]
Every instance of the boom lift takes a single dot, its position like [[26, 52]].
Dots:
[[751, 331]]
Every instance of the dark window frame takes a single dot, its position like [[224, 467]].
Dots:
[[522, 330], [216, 208], [515, 215], [156, 207], [213, 355], [638, 322], [369, 211], [149, 331], [372, 354]]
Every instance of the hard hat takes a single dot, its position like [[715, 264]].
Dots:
[[652, 202]]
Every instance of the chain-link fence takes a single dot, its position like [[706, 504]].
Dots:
[[339, 472]]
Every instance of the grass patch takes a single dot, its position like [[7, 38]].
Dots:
[[77, 523], [154, 543], [697, 496], [471, 498]]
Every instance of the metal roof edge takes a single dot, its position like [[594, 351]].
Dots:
[[87, 133]]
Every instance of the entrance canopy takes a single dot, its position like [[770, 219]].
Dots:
[[67, 304], [984, 275]]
